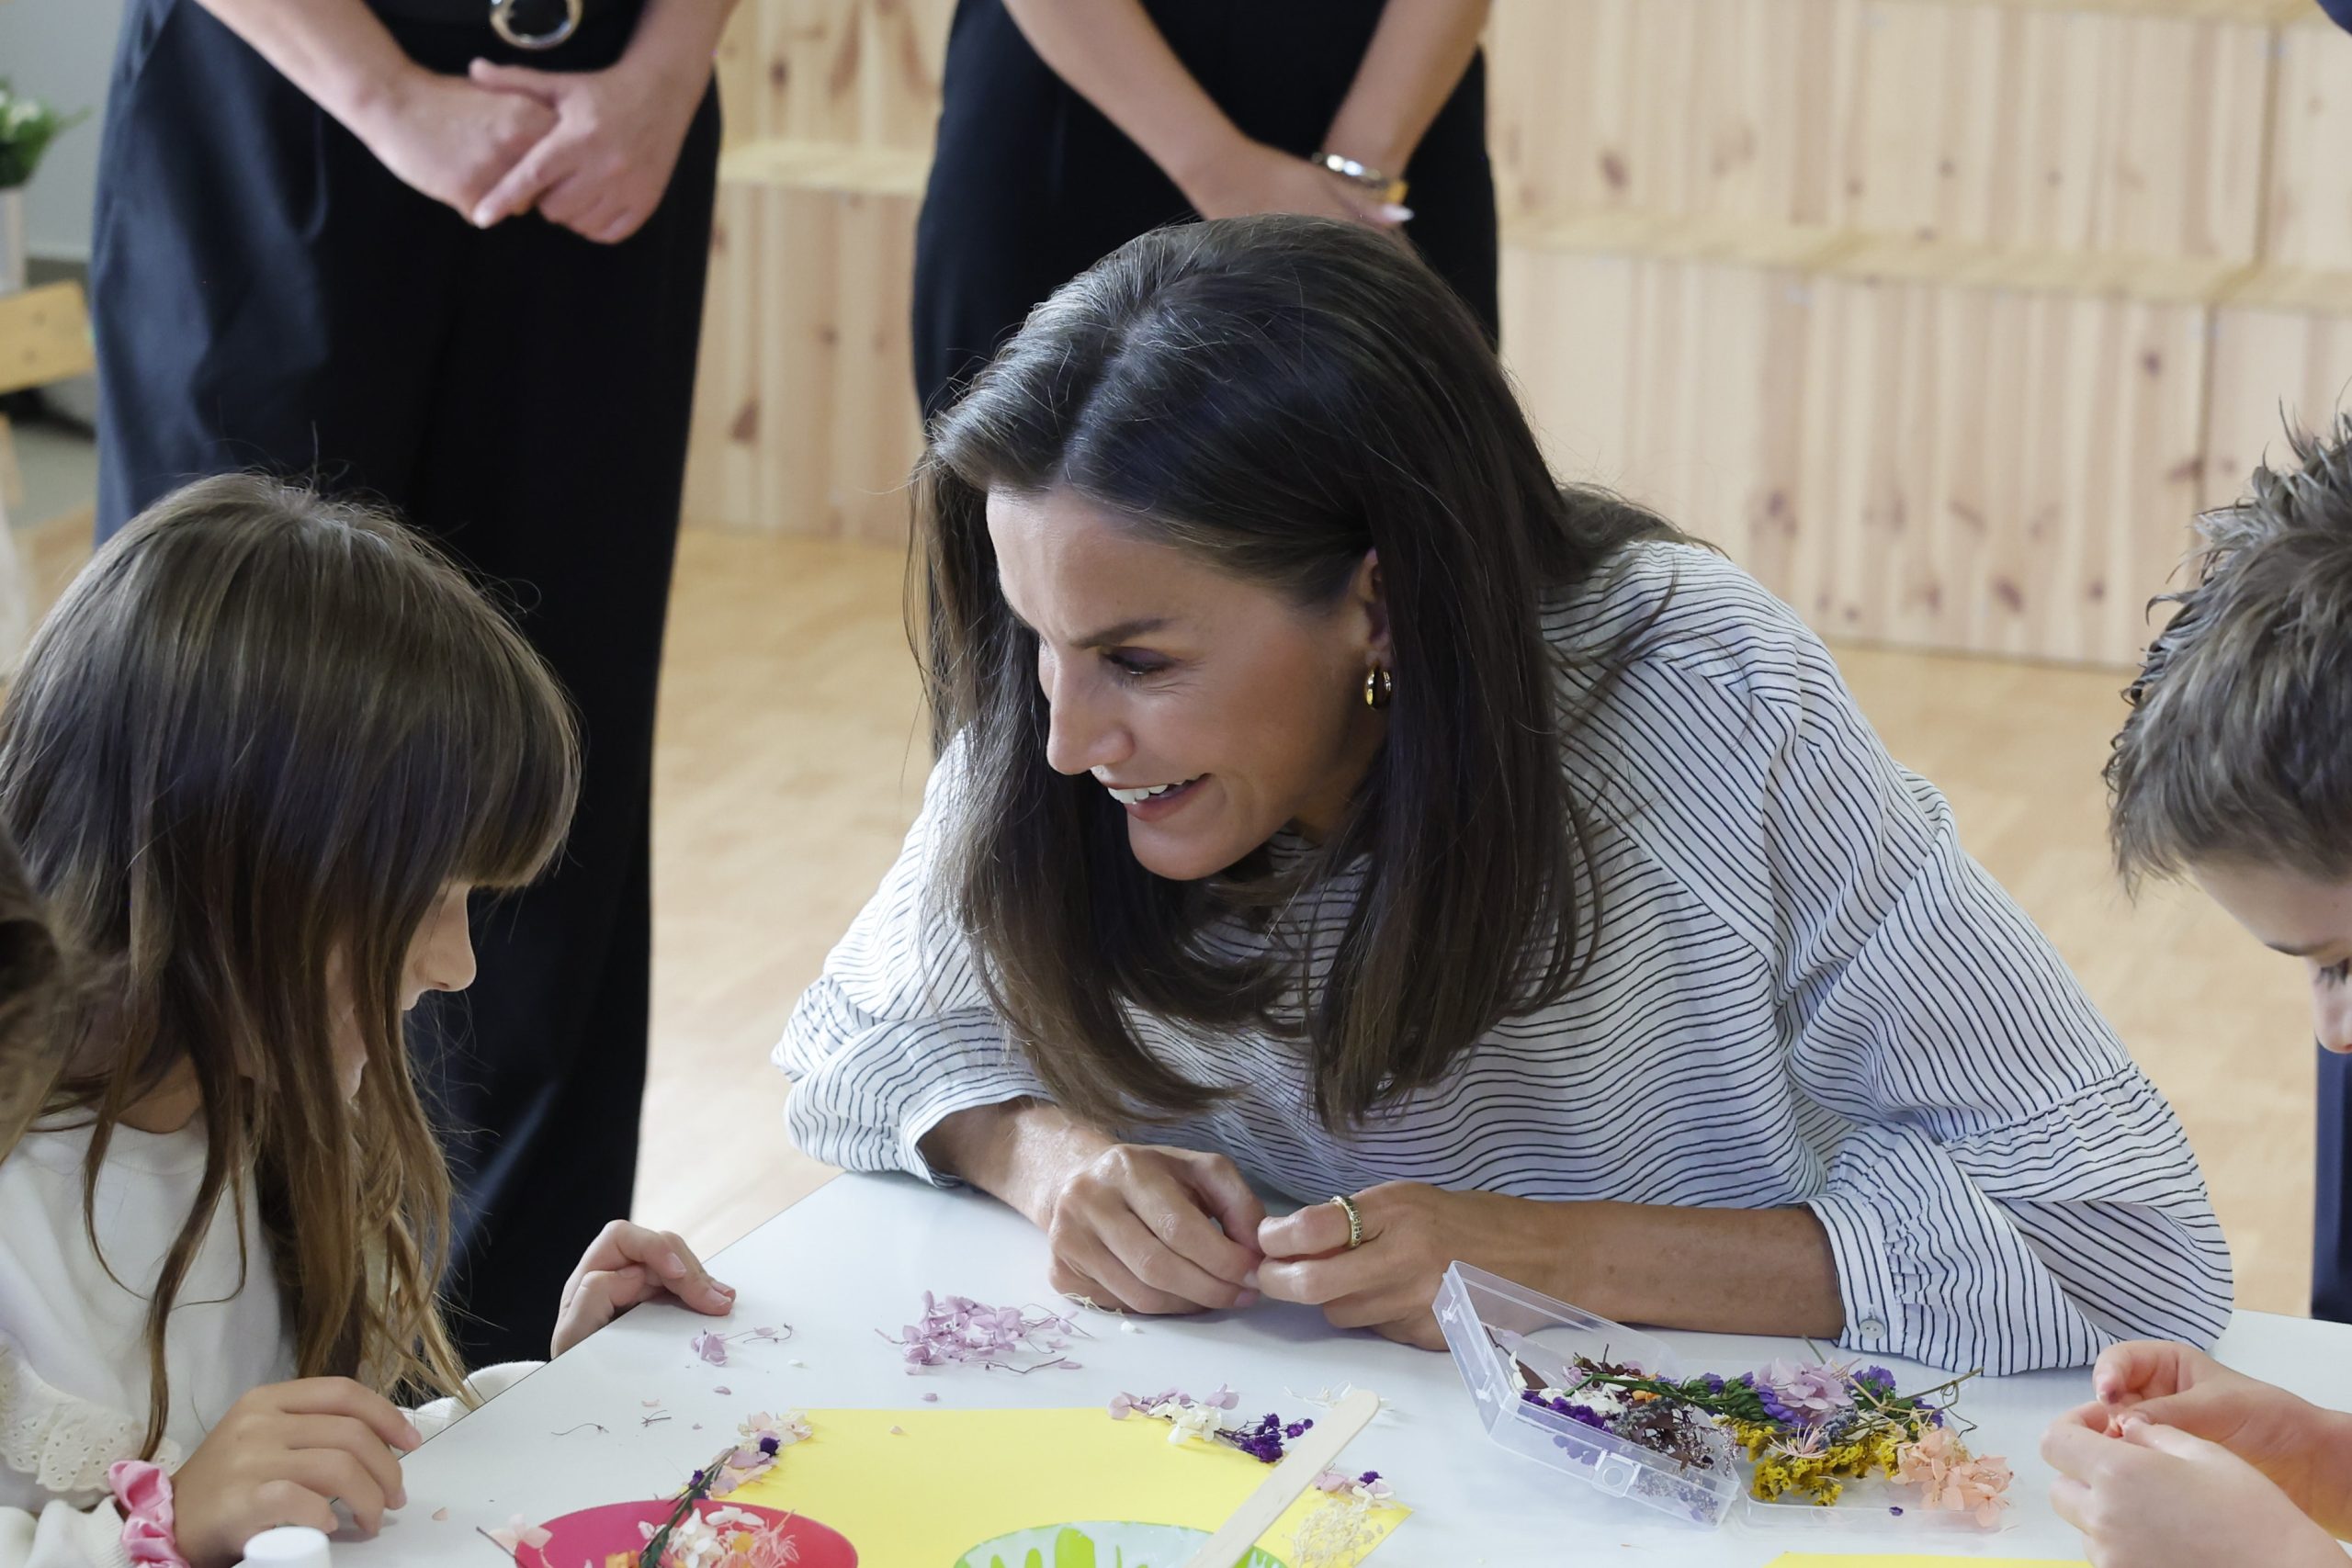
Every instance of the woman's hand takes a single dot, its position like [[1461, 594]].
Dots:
[[1249, 176], [2157, 1497], [1410, 1232], [283, 1455], [448, 137], [1155, 1230], [627, 1265], [2285, 1438], [602, 168]]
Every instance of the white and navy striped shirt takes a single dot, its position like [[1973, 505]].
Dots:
[[1804, 993]]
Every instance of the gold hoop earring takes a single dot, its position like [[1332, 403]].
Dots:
[[1378, 687]]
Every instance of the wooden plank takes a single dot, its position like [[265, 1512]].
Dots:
[[2055, 130], [2112, 132], [2270, 368], [2308, 215], [857, 72], [722, 448], [44, 337], [1924, 463]]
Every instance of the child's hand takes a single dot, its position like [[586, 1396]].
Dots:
[[628, 1264], [283, 1455], [2285, 1438], [2156, 1497]]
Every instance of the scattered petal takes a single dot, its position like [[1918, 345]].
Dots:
[[440, 1515], [930, 1399], [722, 1389], [711, 1348]]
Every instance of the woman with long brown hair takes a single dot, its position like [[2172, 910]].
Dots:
[[257, 759], [1329, 802]]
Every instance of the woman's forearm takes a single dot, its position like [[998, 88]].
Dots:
[[1720, 1271], [1109, 52], [337, 51], [1417, 55], [679, 37], [1016, 1152]]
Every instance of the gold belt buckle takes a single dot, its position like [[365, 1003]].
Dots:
[[502, 22]]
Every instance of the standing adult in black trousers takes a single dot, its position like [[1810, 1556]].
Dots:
[[459, 266], [1069, 127]]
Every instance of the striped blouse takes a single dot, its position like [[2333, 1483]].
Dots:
[[1804, 992]]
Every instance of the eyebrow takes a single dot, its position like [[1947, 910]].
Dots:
[[1109, 637]]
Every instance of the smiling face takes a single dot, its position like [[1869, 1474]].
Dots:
[[2303, 918], [1213, 709]]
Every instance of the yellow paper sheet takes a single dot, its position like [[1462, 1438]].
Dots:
[[1887, 1560], [949, 1480]]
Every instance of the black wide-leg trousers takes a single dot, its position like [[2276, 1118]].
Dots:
[[266, 295]]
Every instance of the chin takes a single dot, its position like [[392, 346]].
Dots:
[[1186, 859]]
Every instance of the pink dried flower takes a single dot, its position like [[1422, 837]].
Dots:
[[956, 1330], [711, 1348], [1951, 1479]]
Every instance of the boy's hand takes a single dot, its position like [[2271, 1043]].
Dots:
[[628, 1264], [2287, 1438], [283, 1455], [2156, 1497]]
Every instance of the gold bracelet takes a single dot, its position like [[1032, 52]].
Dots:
[[1371, 179]]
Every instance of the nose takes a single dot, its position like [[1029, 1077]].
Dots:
[[448, 957], [1084, 732], [2331, 1015]]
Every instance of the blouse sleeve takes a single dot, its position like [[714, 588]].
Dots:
[[898, 1035], [61, 1536], [2009, 1191]]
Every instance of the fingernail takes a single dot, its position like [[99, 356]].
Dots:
[[727, 1291], [1396, 214], [1247, 1299], [1250, 1281], [673, 1265]]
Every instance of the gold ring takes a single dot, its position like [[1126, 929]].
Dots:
[[1355, 1221]]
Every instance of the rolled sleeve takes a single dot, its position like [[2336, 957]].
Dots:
[[2011, 1191], [896, 1034]]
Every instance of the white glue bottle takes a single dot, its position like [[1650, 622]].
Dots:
[[288, 1546]]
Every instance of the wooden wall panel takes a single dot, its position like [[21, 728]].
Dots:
[[2061, 131], [2308, 218], [805, 419], [861, 72], [2270, 367], [1986, 124], [1922, 464]]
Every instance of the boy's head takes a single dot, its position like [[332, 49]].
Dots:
[[2234, 768]]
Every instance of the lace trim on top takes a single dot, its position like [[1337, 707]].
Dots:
[[64, 1442]]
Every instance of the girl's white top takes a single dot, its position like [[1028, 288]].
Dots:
[[73, 1365]]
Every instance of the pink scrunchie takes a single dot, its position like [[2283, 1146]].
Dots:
[[144, 1493]]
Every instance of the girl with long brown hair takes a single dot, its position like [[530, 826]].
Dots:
[[257, 760]]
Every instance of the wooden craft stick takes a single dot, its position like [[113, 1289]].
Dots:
[[1302, 1463]]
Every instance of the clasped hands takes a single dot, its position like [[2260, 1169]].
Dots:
[[1165, 1230], [592, 151]]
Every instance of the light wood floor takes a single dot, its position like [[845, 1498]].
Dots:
[[790, 762]]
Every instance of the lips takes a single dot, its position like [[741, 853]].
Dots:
[[1138, 794]]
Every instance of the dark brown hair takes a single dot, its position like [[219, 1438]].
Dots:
[[1278, 396], [2239, 743], [257, 740]]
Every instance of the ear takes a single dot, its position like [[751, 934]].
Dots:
[[1367, 603]]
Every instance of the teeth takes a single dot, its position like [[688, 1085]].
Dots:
[[1131, 797]]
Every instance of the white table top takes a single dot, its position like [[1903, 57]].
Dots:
[[858, 1254]]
